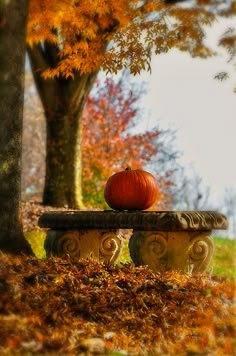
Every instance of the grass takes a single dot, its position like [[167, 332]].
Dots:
[[223, 262], [36, 239], [224, 259]]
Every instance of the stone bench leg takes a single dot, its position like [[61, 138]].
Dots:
[[101, 245], [185, 251]]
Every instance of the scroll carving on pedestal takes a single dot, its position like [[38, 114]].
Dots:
[[200, 252], [57, 244], [149, 249], [181, 251], [97, 244], [110, 244]]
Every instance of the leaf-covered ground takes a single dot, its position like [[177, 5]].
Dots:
[[31, 211], [66, 307]]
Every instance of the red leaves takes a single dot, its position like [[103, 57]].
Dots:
[[71, 306], [108, 143]]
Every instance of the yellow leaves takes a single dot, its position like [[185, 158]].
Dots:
[[228, 41], [83, 47], [105, 21], [75, 62], [50, 73], [190, 15], [44, 35], [112, 35], [202, 52], [44, 20], [79, 48], [152, 6]]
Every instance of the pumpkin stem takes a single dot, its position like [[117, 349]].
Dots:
[[128, 168]]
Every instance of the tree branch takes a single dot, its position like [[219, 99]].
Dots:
[[39, 63], [51, 54]]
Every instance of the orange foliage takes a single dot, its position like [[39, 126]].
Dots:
[[111, 35], [70, 307]]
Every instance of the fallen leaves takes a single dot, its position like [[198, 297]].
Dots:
[[82, 307], [31, 210]]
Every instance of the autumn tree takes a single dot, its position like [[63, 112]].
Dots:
[[109, 142], [13, 17], [69, 41]]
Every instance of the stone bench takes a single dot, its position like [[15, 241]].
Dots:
[[163, 240]]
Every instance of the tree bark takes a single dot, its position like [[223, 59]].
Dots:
[[13, 19], [63, 102]]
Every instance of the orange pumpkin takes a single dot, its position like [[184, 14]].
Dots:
[[131, 190]]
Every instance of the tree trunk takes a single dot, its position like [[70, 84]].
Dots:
[[63, 161], [13, 17], [63, 101]]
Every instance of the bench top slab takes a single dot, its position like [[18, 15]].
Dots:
[[137, 220]]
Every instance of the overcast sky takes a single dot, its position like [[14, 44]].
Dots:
[[183, 94]]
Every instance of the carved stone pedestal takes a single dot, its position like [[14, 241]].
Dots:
[[100, 245], [163, 240], [162, 251]]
